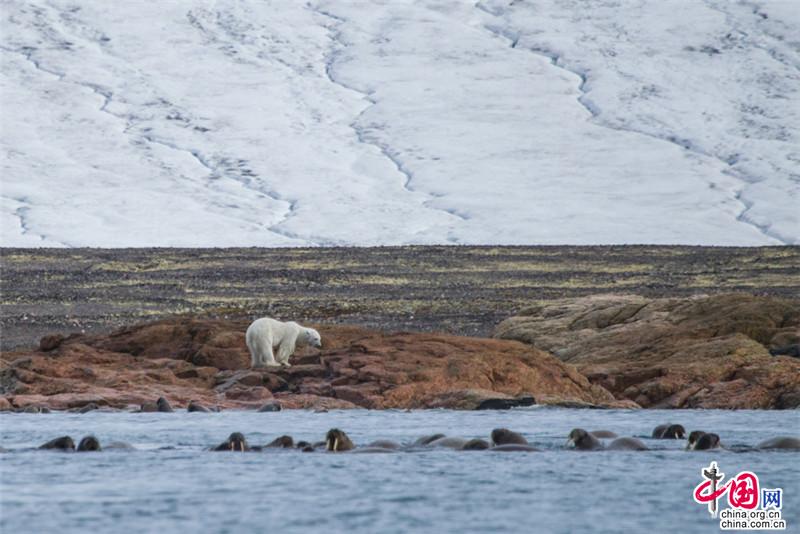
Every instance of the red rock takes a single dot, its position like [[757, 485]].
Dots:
[[357, 367]]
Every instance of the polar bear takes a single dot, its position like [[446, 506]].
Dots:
[[265, 334]]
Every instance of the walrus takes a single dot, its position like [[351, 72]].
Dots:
[[694, 435], [385, 444], [163, 405], [337, 441], [476, 445], [669, 431], [627, 444], [302, 444], [781, 442], [197, 407], [504, 436], [63, 443], [514, 447], [582, 440], [89, 444], [281, 442], [450, 443], [424, 440], [603, 434], [34, 409], [706, 441], [235, 442]]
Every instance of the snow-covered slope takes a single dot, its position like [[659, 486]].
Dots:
[[283, 123]]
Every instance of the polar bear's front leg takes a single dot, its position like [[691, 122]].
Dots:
[[284, 352]]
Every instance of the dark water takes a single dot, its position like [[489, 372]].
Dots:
[[189, 489]]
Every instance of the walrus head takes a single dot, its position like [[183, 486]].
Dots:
[[89, 443], [236, 442], [581, 439], [674, 432], [706, 442], [694, 435], [283, 442], [337, 441], [504, 436]]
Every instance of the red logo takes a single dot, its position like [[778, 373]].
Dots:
[[742, 489]]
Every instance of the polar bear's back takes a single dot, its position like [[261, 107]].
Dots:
[[269, 329]]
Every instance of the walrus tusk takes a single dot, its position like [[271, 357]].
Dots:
[[335, 444], [232, 445]]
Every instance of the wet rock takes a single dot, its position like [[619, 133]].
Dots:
[[506, 404]]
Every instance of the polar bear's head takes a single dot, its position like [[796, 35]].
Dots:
[[312, 337]]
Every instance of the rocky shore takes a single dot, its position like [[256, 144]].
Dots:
[[724, 351], [206, 361]]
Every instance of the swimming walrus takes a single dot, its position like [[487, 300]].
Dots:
[[694, 435], [703, 441], [89, 444], [626, 444], [235, 442], [424, 440], [281, 442], [337, 441], [385, 444], [669, 431], [603, 434], [582, 440], [504, 436], [197, 407], [64, 443], [476, 445], [448, 442], [781, 442], [514, 447]]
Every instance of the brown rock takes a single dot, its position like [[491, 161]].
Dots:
[[5, 405], [703, 352], [50, 342]]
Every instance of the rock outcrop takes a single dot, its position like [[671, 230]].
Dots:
[[206, 361], [724, 351]]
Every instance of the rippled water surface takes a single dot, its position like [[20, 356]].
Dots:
[[171, 483]]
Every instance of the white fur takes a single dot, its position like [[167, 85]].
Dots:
[[266, 334]]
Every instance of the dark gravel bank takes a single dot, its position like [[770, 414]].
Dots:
[[460, 290]]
